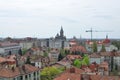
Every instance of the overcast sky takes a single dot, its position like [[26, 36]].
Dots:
[[43, 18]]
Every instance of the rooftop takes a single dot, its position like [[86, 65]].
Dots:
[[13, 72]]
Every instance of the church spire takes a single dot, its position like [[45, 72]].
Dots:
[[107, 36], [61, 32], [61, 35]]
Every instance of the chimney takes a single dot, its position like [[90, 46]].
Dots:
[[72, 70]]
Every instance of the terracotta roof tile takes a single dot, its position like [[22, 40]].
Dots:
[[67, 75], [95, 55], [78, 48], [13, 72], [6, 44], [105, 54], [72, 57], [2, 59], [104, 65]]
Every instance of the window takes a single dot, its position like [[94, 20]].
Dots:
[[14, 78], [34, 73], [25, 76], [21, 78]]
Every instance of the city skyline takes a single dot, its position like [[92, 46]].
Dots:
[[43, 19]]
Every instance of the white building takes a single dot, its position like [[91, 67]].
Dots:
[[106, 43], [17, 70], [53, 55], [58, 42], [8, 47], [95, 58], [26, 72]]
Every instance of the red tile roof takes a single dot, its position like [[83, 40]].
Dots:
[[99, 77], [106, 41], [93, 67], [2, 59], [78, 48], [9, 60], [95, 55], [11, 73], [6, 44], [68, 75], [105, 54], [72, 57], [79, 74], [73, 42], [104, 65], [8, 73]]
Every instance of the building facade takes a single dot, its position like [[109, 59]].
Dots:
[[58, 42], [9, 48]]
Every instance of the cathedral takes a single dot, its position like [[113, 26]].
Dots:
[[61, 35], [59, 41]]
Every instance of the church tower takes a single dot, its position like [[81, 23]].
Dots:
[[61, 35], [61, 32], [106, 36]]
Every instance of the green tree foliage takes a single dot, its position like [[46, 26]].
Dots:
[[95, 47], [61, 69], [48, 49], [60, 57], [49, 73], [67, 52], [28, 60], [84, 62], [117, 44], [20, 52], [103, 48], [77, 63], [45, 54], [24, 51], [86, 59], [62, 51]]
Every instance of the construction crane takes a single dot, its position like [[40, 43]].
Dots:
[[91, 31]]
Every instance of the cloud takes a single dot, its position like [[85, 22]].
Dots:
[[30, 16], [103, 16]]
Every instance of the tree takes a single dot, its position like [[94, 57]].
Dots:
[[24, 51], [77, 63], [86, 59], [10, 53], [67, 52], [28, 60], [45, 54], [62, 51], [95, 47], [103, 48], [117, 44], [83, 62], [48, 73], [112, 63], [60, 57], [20, 52]]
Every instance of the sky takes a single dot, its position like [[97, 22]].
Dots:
[[44, 18]]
